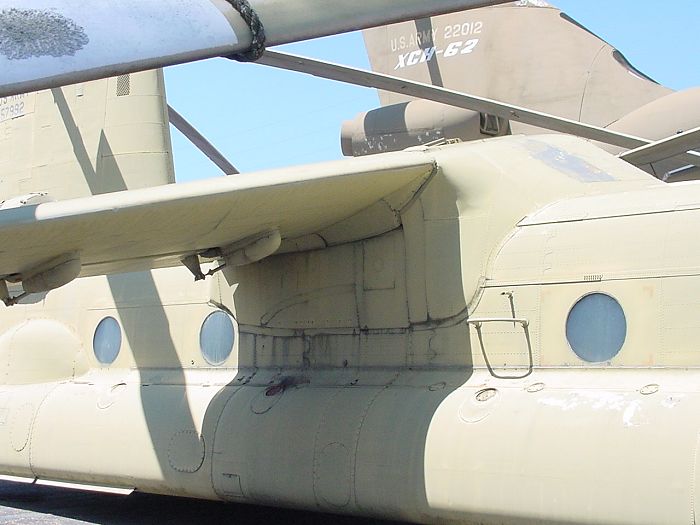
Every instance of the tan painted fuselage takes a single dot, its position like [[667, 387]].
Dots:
[[383, 376], [411, 350]]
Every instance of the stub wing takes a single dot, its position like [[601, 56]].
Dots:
[[155, 227]]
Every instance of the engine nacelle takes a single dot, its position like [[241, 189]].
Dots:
[[400, 126]]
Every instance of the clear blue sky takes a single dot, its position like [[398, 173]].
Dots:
[[263, 118]]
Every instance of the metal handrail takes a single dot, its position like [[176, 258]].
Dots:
[[478, 321]]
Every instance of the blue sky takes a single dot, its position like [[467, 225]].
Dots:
[[262, 118]]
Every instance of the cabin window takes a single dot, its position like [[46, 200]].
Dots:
[[216, 338], [107, 340], [596, 328]]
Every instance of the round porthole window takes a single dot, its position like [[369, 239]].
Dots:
[[216, 337], [596, 328], [107, 340]]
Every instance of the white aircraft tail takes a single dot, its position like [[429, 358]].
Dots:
[[86, 139]]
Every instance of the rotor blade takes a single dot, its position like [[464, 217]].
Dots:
[[201, 142], [362, 77], [288, 21], [49, 43], [665, 149]]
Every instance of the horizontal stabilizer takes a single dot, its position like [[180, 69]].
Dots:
[[49, 43], [154, 227]]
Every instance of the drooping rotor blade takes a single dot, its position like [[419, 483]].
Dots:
[[665, 149], [49, 43], [201, 142], [372, 79], [288, 21]]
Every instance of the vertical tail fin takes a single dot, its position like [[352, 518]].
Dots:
[[527, 53], [85, 139]]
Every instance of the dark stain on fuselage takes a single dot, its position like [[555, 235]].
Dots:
[[27, 33]]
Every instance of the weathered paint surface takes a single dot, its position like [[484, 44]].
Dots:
[[403, 355], [45, 40]]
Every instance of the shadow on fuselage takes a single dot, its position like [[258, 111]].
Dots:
[[342, 426], [333, 419], [36, 504]]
